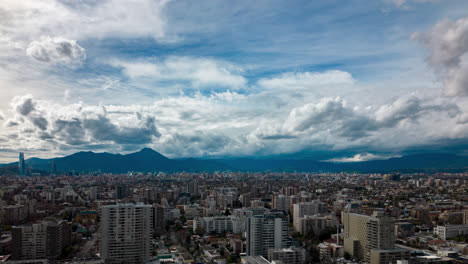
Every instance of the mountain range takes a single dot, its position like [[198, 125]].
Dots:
[[148, 160]]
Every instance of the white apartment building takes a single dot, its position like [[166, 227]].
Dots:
[[449, 231], [266, 232]]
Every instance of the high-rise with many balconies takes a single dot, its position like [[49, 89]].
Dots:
[[371, 238], [268, 231], [126, 233]]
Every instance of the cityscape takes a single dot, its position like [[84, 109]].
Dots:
[[233, 217], [253, 132]]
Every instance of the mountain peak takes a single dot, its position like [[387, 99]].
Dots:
[[147, 150], [147, 153]]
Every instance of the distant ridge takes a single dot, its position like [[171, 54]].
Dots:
[[149, 160]]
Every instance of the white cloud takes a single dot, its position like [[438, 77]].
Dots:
[[447, 43], [406, 121], [402, 3], [227, 123], [83, 19], [198, 71], [363, 157], [304, 80], [56, 50]]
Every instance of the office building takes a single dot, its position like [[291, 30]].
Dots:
[[21, 165], [126, 233], [268, 231], [371, 238], [465, 217]]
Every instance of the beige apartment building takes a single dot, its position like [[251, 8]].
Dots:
[[371, 238]]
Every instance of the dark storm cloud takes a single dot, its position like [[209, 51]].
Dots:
[[103, 129]]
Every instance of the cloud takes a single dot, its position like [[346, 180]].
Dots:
[[230, 123], [402, 3], [335, 120], [24, 104], [447, 43], [102, 129], [78, 124], [199, 72], [85, 19], [363, 157], [11, 123], [2, 117], [56, 50], [304, 80], [410, 108], [324, 112], [40, 122]]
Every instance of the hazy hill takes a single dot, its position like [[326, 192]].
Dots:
[[148, 160]]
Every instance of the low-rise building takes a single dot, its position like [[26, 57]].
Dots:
[[449, 231]]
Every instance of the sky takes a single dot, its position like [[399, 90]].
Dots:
[[350, 80]]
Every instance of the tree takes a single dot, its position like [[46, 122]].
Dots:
[[200, 231], [347, 256]]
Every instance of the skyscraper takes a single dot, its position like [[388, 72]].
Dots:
[[21, 165], [266, 232], [126, 233], [371, 238]]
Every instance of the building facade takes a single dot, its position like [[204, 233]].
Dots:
[[287, 255], [264, 232], [44, 240], [371, 238], [306, 208], [126, 233], [449, 231]]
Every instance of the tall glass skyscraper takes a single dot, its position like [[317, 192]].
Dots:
[[21, 165]]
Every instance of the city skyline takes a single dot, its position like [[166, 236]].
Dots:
[[340, 81]]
